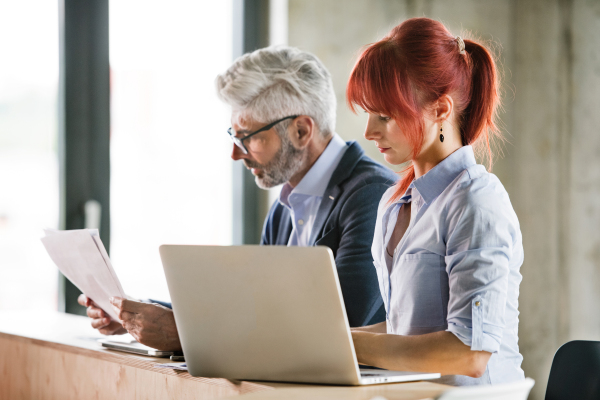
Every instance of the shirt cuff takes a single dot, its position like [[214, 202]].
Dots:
[[480, 336], [162, 303]]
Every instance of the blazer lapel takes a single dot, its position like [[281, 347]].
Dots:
[[285, 228], [333, 191], [327, 203]]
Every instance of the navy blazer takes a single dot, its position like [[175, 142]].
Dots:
[[345, 223]]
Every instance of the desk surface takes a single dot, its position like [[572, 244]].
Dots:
[[53, 355]]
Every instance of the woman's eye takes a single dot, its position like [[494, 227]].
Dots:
[[383, 118]]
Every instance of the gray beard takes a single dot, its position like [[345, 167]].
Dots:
[[286, 162]]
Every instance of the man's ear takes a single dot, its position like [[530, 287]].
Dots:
[[302, 131]]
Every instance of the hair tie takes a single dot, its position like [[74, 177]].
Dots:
[[461, 45]]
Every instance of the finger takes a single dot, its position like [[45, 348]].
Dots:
[[112, 329], [83, 300], [94, 312], [93, 303], [99, 323], [129, 305], [125, 315], [108, 332]]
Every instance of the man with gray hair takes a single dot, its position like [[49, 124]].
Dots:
[[283, 129]]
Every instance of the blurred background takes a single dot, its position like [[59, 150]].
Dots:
[[113, 101]]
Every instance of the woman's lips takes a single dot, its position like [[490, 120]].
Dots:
[[383, 149]]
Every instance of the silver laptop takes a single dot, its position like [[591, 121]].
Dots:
[[268, 313]]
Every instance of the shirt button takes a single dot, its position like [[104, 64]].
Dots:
[[300, 222], [477, 303]]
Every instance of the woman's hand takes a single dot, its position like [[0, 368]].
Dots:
[[363, 346]]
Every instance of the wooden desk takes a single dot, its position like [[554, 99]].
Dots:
[[55, 356]]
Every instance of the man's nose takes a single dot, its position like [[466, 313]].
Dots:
[[237, 153]]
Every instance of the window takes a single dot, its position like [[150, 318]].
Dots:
[[29, 187], [170, 165]]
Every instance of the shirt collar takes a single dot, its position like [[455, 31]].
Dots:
[[439, 177], [314, 183]]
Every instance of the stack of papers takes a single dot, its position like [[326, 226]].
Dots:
[[82, 258]]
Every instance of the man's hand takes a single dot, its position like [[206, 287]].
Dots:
[[150, 324], [101, 320]]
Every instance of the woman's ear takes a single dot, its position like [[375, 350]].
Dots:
[[302, 131], [444, 107]]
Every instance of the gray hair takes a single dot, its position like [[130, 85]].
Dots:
[[275, 82]]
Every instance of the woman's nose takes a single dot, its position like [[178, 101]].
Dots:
[[372, 131]]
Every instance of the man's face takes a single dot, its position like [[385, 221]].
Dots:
[[271, 158]]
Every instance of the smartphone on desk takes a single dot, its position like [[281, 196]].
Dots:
[[137, 348]]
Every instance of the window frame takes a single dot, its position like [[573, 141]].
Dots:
[[84, 124]]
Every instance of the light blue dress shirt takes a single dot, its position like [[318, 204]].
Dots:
[[304, 200], [457, 266]]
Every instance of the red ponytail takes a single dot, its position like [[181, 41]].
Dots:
[[413, 66]]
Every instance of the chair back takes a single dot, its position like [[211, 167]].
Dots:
[[506, 391], [575, 372]]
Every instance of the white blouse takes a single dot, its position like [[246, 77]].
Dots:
[[457, 266]]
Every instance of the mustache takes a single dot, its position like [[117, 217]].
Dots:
[[251, 164]]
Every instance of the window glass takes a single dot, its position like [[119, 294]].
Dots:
[[170, 165], [28, 152]]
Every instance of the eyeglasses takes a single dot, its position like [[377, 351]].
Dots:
[[239, 142]]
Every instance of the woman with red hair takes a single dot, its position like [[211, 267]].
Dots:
[[447, 245]]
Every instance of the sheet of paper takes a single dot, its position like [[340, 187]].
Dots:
[[177, 366], [96, 237], [82, 258]]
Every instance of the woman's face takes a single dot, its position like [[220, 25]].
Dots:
[[388, 138]]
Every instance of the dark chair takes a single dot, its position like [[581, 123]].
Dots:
[[575, 372]]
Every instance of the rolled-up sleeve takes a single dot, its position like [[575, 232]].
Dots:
[[479, 244]]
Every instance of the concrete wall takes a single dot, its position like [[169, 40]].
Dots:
[[550, 58]]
